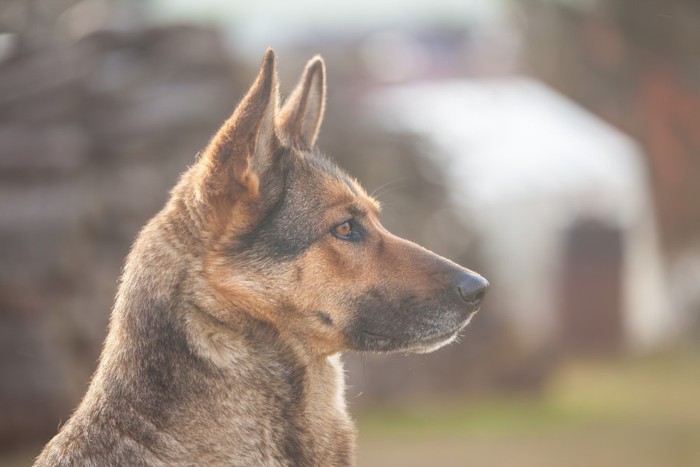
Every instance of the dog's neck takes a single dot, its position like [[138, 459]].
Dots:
[[198, 373]]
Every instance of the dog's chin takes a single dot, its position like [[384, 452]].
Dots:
[[369, 341], [431, 345]]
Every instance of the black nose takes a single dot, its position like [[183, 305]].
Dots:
[[472, 288]]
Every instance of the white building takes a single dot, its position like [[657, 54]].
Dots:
[[524, 164]]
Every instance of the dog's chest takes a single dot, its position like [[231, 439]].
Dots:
[[322, 432], [281, 414], [329, 423]]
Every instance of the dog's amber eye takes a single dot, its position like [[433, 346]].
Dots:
[[343, 230]]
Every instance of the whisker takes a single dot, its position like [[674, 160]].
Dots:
[[385, 188]]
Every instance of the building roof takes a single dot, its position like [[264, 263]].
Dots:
[[514, 140]]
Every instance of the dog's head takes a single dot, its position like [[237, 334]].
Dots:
[[294, 241]]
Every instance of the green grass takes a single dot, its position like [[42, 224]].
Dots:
[[632, 411], [493, 417]]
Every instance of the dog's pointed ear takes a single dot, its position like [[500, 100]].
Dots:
[[246, 143], [300, 118]]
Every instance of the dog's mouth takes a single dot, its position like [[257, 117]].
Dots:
[[373, 341]]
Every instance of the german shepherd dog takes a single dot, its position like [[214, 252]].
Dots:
[[236, 300]]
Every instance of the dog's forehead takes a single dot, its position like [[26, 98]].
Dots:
[[325, 178]]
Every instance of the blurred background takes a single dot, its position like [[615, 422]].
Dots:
[[553, 145]]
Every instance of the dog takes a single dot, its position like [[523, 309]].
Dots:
[[236, 299]]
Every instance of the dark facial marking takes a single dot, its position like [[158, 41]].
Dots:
[[283, 234], [325, 318], [388, 321], [293, 222]]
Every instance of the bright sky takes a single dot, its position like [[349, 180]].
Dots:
[[255, 23]]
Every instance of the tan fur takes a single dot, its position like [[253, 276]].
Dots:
[[237, 298]]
